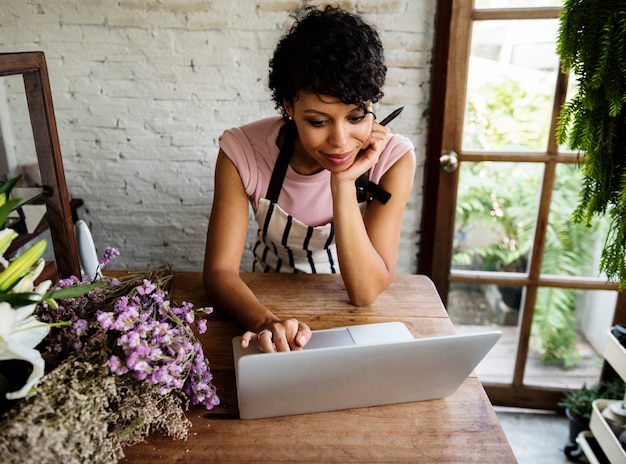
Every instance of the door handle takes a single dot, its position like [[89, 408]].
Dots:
[[449, 161]]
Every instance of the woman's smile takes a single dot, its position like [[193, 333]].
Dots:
[[338, 159]]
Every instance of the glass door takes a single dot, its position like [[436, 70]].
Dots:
[[508, 254]]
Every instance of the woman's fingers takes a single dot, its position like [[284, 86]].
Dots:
[[303, 335], [287, 335]]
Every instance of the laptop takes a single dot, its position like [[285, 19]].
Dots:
[[353, 367]]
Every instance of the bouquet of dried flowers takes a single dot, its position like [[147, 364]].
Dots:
[[120, 361]]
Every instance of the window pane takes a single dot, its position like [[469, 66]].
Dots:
[[495, 215], [571, 249], [568, 337], [510, 91]]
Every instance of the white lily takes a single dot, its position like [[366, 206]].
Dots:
[[20, 333]]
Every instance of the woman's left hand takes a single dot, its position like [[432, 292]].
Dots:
[[368, 155]]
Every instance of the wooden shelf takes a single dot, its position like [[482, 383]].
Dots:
[[611, 449], [615, 354], [591, 448], [604, 434]]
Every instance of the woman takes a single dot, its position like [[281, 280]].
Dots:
[[299, 173]]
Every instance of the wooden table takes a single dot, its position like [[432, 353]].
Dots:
[[462, 428]]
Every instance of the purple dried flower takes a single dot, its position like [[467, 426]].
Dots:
[[109, 255], [157, 345], [148, 336], [106, 320], [147, 288], [80, 326], [116, 366]]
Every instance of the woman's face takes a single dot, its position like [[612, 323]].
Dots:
[[329, 131]]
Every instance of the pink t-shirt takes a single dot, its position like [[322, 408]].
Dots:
[[252, 149]]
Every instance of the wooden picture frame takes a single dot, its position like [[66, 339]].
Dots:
[[32, 67]]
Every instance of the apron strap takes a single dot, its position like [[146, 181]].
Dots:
[[282, 163], [366, 190]]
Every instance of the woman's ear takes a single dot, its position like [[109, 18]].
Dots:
[[288, 109]]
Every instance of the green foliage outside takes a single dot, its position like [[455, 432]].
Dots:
[[502, 197], [512, 118]]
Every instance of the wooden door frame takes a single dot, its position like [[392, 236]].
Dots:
[[432, 171], [438, 183], [436, 248]]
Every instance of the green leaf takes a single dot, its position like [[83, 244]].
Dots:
[[7, 206], [8, 185], [72, 292]]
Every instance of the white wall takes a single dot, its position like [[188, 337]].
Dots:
[[142, 90]]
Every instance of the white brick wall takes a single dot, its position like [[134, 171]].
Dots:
[[142, 89]]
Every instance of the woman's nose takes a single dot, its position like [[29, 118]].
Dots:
[[338, 136]]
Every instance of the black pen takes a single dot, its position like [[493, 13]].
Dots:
[[392, 116]]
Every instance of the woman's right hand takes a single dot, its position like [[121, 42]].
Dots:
[[287, 335]]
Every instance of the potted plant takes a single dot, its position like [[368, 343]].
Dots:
[[592, 44], [578, 407]]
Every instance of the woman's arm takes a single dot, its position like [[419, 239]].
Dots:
[[367, 246], [226, 238]]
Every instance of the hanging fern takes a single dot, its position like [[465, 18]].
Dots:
[[592, 44]]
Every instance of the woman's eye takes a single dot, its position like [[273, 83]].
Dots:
[[357, 119], [351, 119]]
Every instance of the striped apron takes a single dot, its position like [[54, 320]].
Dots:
[[285, 244]]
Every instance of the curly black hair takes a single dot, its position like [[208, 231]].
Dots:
[[328, 52]]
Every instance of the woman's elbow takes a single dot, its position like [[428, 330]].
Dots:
[[361, 300], [366, 296]]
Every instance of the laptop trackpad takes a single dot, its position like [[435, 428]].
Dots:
[[380, 334], [371, 334], [329, 339]]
